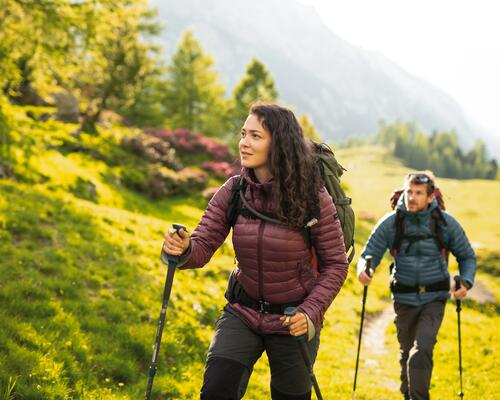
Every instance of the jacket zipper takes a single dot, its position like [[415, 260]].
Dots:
[[259, 260]]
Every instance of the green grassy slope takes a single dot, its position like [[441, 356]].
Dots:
[[81, 283]]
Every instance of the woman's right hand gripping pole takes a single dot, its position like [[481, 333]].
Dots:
[[176, 242]]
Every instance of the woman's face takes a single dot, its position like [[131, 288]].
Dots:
[[255, 143]]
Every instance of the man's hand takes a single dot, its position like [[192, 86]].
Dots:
[[297, 324], [460, 293], [176, 242], [364, 278]]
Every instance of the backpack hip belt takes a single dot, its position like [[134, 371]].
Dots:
[[443, 285], [236, 294]]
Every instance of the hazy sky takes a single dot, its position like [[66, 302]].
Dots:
[[454, 44]]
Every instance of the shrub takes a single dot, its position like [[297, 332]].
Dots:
[[135, 178], [5, 129], [5, 170], [221, 168], [163, 182], [152, 149], [193, 142], [84, 189]]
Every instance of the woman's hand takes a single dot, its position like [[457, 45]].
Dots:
[[297, 324], [176, 242]]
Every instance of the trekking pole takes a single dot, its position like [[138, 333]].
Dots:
[[368, 266], [172, 265], [302, 341], [459, 308]]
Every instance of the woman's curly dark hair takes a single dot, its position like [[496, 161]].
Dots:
[[292, 162]]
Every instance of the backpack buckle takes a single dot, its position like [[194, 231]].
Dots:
[[312, 222], [422, 289], [264, 307]]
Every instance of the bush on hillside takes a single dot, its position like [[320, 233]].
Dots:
[[164, 182], [193, 142], [152, 149], [135, 178], [221, 168], [5, 129], [5, 170], [160, 182], [84, 189]]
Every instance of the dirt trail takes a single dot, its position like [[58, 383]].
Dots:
[[374, 332], [481, 293], [374, 336]]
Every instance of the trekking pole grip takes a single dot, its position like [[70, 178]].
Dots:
[[458, 284], [368, 265], [290, 312], [174, 260]]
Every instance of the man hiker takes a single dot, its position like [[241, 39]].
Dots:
[[419, 235]]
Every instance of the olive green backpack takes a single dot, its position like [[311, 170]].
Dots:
[[331, 171]]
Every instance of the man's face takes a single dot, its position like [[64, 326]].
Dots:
[[416, 198]]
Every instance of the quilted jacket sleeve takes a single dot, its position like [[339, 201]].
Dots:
[[212, 229], [328, 241], [378, 242], [462, 250]]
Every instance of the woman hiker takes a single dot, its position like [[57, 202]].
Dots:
[[279, 178]]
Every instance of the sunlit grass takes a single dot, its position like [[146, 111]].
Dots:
[[81, 286]]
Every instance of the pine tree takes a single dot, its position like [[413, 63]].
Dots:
[[256, 84], [194, 97]]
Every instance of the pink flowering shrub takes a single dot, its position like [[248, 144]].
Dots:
[[185, 140], [221, 168]]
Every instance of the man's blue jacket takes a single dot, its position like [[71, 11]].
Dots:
[[422, 263]]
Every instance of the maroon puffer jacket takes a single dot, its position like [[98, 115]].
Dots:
[[275, 253]]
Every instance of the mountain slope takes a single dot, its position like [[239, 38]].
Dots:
[[344, 88]]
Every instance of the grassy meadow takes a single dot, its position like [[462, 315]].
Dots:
[[81, 285]]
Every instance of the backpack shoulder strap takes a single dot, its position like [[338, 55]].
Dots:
[[400, 228], [256, 213], [234, 202], [437, 223]]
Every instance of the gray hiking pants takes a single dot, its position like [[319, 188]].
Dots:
[[234, 350], [417, 329]]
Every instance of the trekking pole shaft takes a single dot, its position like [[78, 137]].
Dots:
[[161, 323], [365, 293], [307, 359], [461, 394], [304, 350], [459, 308], [169, 280]]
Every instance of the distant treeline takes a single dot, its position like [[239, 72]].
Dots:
[[439, 151]]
